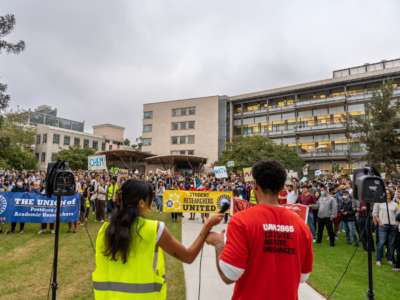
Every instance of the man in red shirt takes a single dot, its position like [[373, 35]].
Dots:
[[306, 198], [268, 249]]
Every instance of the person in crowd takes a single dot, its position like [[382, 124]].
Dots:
[[291, 193], [159, 195], [396, 246], [385, 217], [348, 211], [306, 198], [101, 201], [130, 248], [327, 211], [265, 243], [20, 187], [112, 190]]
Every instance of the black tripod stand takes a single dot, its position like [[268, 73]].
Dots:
[[54, 284], [370, 293]]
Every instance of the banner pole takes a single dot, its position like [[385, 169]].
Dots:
[[54, 285]]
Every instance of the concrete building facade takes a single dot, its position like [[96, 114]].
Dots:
[[311, 118], [185, 127]]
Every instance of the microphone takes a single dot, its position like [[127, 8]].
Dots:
[[224, 207]]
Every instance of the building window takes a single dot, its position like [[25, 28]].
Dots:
[[43, 158], [85, 143], [77, 142], [190, 152], [110, 147], [44, 141], [183, 125], [67, 140], [146, 142], [56, 139], [182, 139], [147, 128], [184, 111], [103, 146], [54, 157], [148, 115], [174, 140], [37, 156], [191, 125], [95, 145], [38, 139], [174, 126]]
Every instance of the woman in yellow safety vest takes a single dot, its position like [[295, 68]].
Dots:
[[129, 248]]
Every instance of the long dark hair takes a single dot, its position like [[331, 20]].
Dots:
[[118, 233]]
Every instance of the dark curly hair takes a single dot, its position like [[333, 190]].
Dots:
[[269, 175]]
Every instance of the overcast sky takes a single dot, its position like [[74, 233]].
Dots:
[[99, 61]]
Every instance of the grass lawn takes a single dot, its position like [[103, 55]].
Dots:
[[329, 264], [26, 260]]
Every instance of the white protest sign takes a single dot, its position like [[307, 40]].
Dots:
[[97, 162], [317, 172], [220, 172], [230, 164]]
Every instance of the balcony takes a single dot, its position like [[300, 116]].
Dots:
[[321, 127], [321, 101], [282, 132], [281, 109], [330, 155], [358, 97]]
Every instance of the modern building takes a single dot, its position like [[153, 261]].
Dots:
[[54, 134], [186, 127], [311, 118]]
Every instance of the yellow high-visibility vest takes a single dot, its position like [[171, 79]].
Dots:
[[142, 277], [252, 197], [112, 189]]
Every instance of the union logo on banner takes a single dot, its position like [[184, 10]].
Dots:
[[3, 204]]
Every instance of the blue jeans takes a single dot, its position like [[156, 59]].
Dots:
[[159, 203], [351, 232], [386, 232], [310, 222]]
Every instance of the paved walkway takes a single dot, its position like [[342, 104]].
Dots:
[[212, 287]]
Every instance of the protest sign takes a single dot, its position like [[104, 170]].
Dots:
[[230, 164], [37, 208], [239, 205], [318, 173], [97, 162], [194, 201], [220, 172], [247, 175]]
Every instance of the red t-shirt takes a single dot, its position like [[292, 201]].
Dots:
[[282, 197], [307, 199], [274, 247]]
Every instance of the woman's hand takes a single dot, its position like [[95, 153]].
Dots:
[[214, 220], [215, 238]]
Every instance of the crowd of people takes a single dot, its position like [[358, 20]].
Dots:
[[329, 199]]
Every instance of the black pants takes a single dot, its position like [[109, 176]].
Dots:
[[322, 222], [14, 225], [396, 247], [362, 224]]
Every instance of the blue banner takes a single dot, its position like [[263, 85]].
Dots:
[[37, 208]]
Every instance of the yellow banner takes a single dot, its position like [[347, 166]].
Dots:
[[194, 201], [247, 175]]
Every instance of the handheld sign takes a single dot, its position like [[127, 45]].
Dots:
[[97, 162], [230, 164], [248, 177], [220, 172]]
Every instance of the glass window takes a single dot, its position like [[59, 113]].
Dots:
[[320, 111], [52, 121], [95, 145], [64, 123], [146, 142], [190, 152], [44, 141], [37, 156], [356, 108], [273, 118], [190, 139], [237, 109], [191, 124], [174, 140], [174, 112], [357, 70], [56, 139], [77, 126], [237, 122], [67, 140], [289, 140], [247, 121], [77, 141], [174, 126], [183, 111], [192, 110], [305, 114], [103, 146], [147, 128], [85, 143], [336, 110], [288, 116], [306, 139], [38, 139], [260, 119], [148, 115], [183, 125], [43, 157], [54, 157], [323, 137], [182, 139]]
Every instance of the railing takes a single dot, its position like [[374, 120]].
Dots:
[[320, 126], [321, 101], [331, 154]]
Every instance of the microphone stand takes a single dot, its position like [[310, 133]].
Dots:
[[54, 284], [370, 293]]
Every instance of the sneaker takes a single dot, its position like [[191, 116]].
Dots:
[[378, 263], [395, 269], [21, 232], [41, 231]]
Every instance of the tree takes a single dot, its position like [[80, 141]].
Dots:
[[76, 157], [378, 129], [245, 151], [16, 141], [7, 24], [127, 142]]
